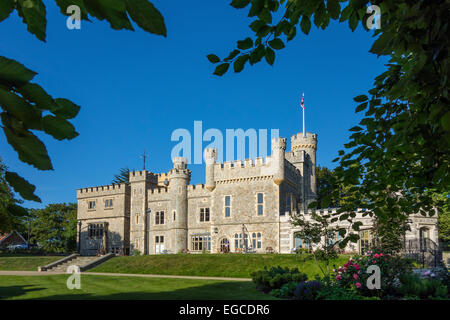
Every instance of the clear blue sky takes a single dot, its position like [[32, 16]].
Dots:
[[136, 88]]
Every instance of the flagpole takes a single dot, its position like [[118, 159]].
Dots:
[[304, 132]]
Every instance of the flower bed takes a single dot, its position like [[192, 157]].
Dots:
[[375, 275]]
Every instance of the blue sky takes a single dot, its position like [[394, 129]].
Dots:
[[136, 88]]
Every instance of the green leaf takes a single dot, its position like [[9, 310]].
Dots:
[[221, 69], [270, 56], [65, 109], [333, 8], [305, 24], [36, 94], [13, 72], [33, 14], [353, 21], [20, 109], [245, 44], [115, 12], [29, 148], [64, 4], [361, 98], [255, 9], [213, 58], [6, 7], [276, 43], [240, 63], [356, 128], [58, 128], [445, 121], [257, 25], [21, 186], [232, 55], [146, 16], [361, 107], [239, 4]]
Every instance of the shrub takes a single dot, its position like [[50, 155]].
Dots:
[[307, 290], [286, 291], [322, 255], [136, 252], [334, 292], [413, 286], [275, 277]]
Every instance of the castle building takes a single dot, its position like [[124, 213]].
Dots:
[[243, 206]]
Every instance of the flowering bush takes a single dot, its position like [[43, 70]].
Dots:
[[353, 275], [307, 290]]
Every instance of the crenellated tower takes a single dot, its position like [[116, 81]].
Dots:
[[210, 161], [304, 158], [179, 178], [278, 158]]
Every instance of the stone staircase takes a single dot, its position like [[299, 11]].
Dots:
[[78, 261]]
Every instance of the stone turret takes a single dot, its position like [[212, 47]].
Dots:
[[308, 146], [179, 178], [210, 161], [278, 158], [139, 183]]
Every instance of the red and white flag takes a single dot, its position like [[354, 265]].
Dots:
[[302, 103]]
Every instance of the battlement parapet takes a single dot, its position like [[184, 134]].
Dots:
[[243, 169], [157, 190], [142, 175], [199, 186], [298, 141], [102, 190]]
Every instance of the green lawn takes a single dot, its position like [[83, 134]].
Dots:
[[111, 287], [219, 265], [25, 262]]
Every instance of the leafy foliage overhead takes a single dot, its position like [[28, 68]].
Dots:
[[25, 107], [398, 155]]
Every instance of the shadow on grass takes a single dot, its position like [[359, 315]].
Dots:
[[216, 291], [14, 291]]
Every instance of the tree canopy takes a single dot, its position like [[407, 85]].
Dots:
[[26, 107], [397, 158]]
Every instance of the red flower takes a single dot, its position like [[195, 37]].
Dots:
[[338, 277], [356, 266]]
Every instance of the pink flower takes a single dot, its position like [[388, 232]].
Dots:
[[374, 261], [338, 277], [355, 276], [359, 271], [381, 254], [376, 255], [356, 266], [358, 285]]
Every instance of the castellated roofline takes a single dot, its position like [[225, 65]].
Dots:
[[102, 190], [258, 162], [158, 190]]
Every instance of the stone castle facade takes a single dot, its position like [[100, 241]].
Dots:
[[243, 206]]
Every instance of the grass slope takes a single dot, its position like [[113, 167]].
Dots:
[[219, 265], [25, 263], [110, 287]]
